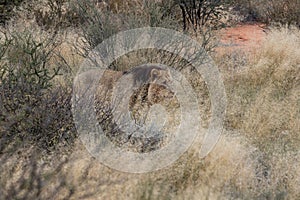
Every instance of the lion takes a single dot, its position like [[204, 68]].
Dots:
[[151, 85]]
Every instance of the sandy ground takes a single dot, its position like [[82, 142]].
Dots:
[[246, 37]]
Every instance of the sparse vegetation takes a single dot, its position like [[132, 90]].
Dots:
[[282, 12], [258, 156]]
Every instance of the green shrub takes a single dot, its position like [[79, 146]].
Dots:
[[31, 110]]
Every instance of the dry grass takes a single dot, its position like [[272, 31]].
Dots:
[[258, 156], [267, 90], [264, 106]]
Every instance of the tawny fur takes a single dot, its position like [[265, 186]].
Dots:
[[140, 102]]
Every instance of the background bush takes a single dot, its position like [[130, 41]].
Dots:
[[54, 14], [100, 24], [200, 14], [270, 11]]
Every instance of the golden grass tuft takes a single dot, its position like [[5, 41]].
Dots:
[[264, 105]]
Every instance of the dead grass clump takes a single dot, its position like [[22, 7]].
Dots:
[[264, 105], [274, 69], [227, 171], [274, 111]]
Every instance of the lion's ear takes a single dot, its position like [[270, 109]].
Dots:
[[154, 74]]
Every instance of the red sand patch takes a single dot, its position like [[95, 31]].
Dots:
[[244, 37]]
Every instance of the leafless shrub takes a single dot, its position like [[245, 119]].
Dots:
[[200, 14]]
